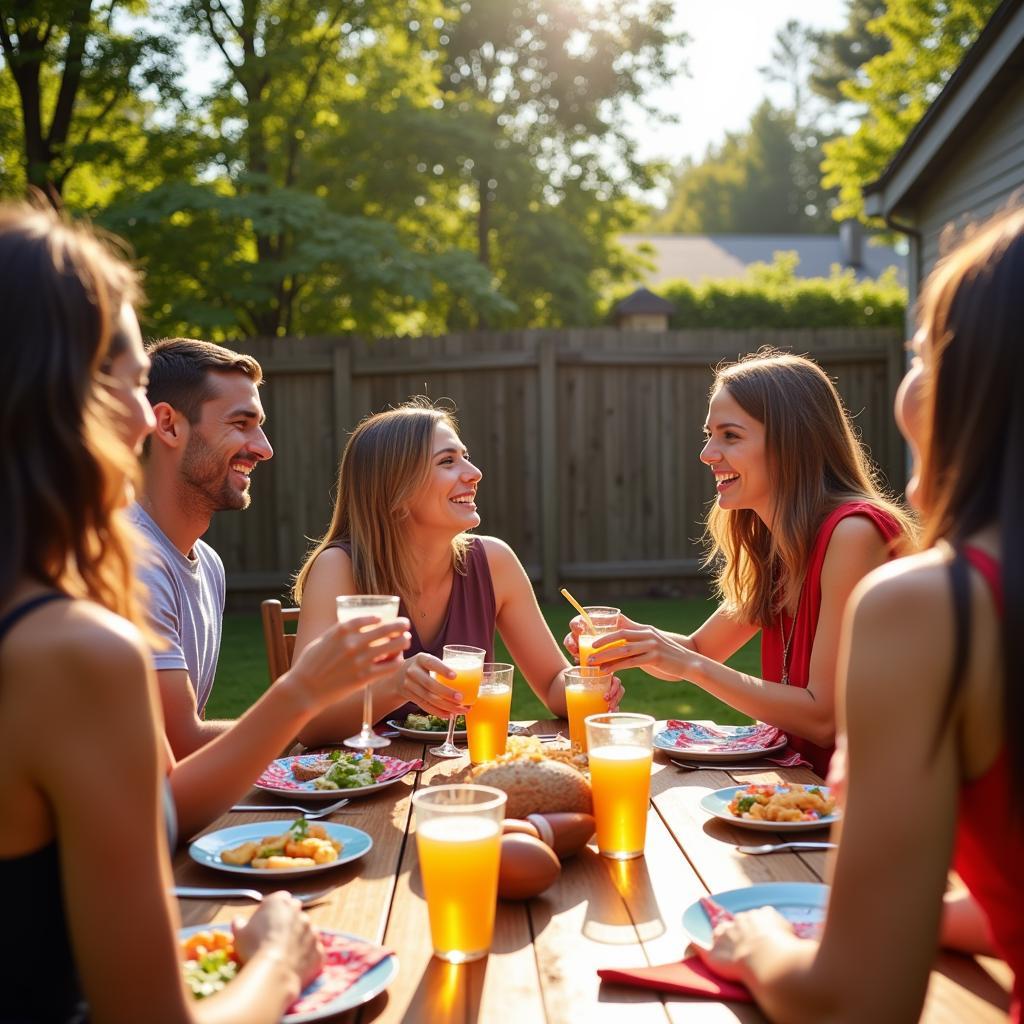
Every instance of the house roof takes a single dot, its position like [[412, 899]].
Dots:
[[696, 257], [643, 301], [995, 59]]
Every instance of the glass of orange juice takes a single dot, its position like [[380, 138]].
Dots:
[[458, 838], [468, 663], [487, 719], [605, 620], [620, 777], [585, 688]]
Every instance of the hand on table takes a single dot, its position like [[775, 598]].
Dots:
[[733, 943], [279, 928]]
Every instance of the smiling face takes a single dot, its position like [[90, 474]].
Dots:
[[446, 500], [734, 450], [128, 375], [226, 443]]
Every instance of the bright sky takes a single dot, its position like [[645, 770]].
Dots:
[[729, 41]]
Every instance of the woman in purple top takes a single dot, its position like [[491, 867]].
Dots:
[[406, 491]]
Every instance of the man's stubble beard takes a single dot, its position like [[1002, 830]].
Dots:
[[206, 479]]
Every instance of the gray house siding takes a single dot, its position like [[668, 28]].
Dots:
[[983, 177]]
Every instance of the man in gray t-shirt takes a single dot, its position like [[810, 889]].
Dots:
[[208, 439], [185, 602]]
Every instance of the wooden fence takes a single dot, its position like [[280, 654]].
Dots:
[[588, 440]]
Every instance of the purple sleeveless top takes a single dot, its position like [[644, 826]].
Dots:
[[471, 610]]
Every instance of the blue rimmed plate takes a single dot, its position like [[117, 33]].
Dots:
[[803, 904], [328, 994], [717, 804], [206, 850]]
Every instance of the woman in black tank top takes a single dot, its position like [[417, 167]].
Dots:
[[90, 926]]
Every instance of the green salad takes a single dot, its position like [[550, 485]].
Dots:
[[350, 771], [431, 723], [209, 973]]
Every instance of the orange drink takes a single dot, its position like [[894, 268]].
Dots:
[[487, 719], [587, 643], [585, 688], [468, 665], [458, 838], [468, 674], [620, 777]]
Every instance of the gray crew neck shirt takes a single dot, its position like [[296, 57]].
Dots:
[[185, 604]]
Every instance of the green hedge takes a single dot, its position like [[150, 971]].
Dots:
[[771, 295]]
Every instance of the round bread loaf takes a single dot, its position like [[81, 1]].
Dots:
[[536, 787]]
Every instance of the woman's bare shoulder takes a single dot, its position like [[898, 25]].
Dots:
[[915, 586]]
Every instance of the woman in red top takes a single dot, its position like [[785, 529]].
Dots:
[[799, 521], [937, 772]]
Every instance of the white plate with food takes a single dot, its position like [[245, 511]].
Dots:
[[208, 963], [803, 904], [332, 774], [775, 807], [712, 743], [264, 849], [427, 727]]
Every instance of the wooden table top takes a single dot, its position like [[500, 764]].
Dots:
[[599, 913]]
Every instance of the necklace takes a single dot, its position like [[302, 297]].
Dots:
[[788, 640]]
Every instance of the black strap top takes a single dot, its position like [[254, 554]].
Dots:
[[37, 986]]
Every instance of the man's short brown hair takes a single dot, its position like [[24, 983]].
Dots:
[[180, 369]]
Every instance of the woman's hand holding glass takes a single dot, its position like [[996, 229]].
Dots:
[[419, 685], [348, 655], [633, 645]]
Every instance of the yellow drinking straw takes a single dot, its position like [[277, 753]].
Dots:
[[572, 600]]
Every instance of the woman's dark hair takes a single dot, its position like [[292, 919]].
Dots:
[[63, 466], [972, 459]]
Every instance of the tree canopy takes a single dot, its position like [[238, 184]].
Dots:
[[342, 165]]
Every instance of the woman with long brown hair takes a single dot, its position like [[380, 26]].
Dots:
[[405, 503], [798, 521], [84, 866], [936, 775]]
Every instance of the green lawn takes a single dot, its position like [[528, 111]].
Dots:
[[242, 671]]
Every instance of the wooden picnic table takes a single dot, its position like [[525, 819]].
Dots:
[[599, 913]]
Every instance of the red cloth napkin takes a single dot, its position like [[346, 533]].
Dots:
[[689, 977], [345, 962]]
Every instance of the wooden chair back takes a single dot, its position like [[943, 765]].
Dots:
[[280, 643]]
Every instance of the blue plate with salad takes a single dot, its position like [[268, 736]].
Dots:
[[773, 807]]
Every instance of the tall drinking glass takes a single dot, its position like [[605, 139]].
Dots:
[[458, 838], [605, 620], [468, 663], [487, 719], [620, 777], [585, 688], [355, 606]]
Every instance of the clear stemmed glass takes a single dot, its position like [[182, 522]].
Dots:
[[468, 663], [354, 606]]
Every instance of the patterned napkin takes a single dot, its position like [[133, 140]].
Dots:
[[693, 737], [278, 774], [346, 960]]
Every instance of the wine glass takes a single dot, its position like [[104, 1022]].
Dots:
[[468, 663], [354, 606]]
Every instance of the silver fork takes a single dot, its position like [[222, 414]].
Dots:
[[311, 814], [778, 847], [201, 892]]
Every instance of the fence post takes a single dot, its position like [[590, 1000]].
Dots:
[[342, 393], [547, 366]]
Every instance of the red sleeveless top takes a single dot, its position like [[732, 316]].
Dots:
[[989, 851], [772, 642]]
